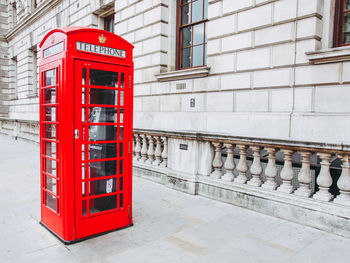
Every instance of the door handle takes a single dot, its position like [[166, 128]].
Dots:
[[76, 134]]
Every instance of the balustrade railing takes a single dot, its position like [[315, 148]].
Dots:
[[309, 170]]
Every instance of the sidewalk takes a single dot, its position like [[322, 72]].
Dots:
[[169, 226]]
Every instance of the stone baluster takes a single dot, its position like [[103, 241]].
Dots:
[[242, 166], [304, 176], [158, 152], [137, 147], [344, 182], [133, 145], [230, 163], [324, 179], [144, 148], [150, 152], [256, 168], [217, 162], [164, 162], [271, 170], [287, 173]]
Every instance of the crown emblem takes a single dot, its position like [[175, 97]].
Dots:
[[52, 39], [102, 39]]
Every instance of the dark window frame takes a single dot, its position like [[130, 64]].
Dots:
[[180, 27], [108, 21], [339, 23]]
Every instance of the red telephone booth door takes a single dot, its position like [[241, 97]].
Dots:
[[103, 119]]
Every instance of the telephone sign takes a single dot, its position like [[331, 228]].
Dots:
[[86, 96]]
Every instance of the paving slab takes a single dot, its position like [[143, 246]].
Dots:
[[169, 226]]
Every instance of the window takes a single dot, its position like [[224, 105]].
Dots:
[[192, 38], [341, 36], [109, 23], [33, 72]]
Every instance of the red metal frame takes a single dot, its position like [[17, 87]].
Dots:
[[68, 221]]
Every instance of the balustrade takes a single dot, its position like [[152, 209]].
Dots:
[[150, 149], [282, 176]]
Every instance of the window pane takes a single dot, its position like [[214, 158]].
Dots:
[[121, 184], [102, 151], [185, 1], [198, 34], [205, 9], [103, 78], [103, 96], [50, 131], [99, 169], [51, 149], [121, 115], [197, 11], [51, 184], [100, 187], [50, 114], [205, 54], [121, 132], [187, 36], [51, 202], [102, 133], [50, 77], [198, 56], [185, 14], [49, 96], [346, 29], [347, 5], [186, 58], [121, 170], [103, 204], [50, 167], [101, 115], [121, 200], [83, 79]]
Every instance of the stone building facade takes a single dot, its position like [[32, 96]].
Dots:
[[259, 118]]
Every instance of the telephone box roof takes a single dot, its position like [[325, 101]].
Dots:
[[75, 29]]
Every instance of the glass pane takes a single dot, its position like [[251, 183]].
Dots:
[[83, 114], [50, 131], [197, 11], [51, 184], [50, 114], [103, 115], [50, 77], [51, 202], [198, 34], [346, 29], [185, 1], [83, 152], [84, 207], [205, 9], [50, 167], [205, 54], [104, 96], [103, 78], [121, 170], [83, 171], [121, 200], [51, 149], [83, 80], [99, 169], [121, 115], [49, 96], [187, 36], [83, 96], [185, 14], [121, 184], [121, 149], [122, 81], [102, 151], [103, 204], [102, 133], [122, 98], [347, 5], [121, 132], [198, 56], [186, 58], [100, 187]]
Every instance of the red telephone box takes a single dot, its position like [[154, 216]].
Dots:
[[86, 96]]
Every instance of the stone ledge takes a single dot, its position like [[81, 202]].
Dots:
[[199, 72], [331, 55]]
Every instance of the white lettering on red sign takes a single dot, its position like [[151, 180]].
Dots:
[[101, 50]]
